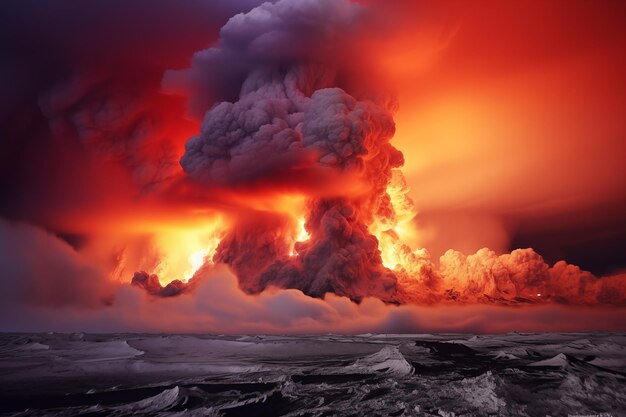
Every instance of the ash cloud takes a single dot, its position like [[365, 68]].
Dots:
[[296, 120]]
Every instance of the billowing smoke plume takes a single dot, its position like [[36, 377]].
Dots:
[[299, 120]]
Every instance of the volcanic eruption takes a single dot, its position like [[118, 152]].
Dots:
[[289, 111]]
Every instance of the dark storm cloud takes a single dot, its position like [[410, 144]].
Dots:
[[278, 130]]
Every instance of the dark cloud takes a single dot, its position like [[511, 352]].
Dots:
[[267, 38], [278, 110], [151, 284]]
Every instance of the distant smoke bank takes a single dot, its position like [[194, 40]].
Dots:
[[40, 270]]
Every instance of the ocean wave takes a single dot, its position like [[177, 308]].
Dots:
[[388, 360], [165, 400], [207, 375]]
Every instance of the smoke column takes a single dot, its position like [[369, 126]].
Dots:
[[299, 118]]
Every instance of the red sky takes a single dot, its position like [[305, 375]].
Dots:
[[511, 120]]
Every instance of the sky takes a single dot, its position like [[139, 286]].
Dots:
[[312, 166]]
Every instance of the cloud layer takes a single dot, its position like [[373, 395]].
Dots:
[[219, 306]]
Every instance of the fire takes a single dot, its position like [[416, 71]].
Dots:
[[303, 235], [172, 244], [199, 257], [183, 252], [396, 235], [196, 260]]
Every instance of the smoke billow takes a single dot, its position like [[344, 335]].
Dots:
[[523, 276], [301, 120]]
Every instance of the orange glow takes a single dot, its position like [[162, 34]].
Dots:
[[508, 115], [396, 234], [181, 249], [303, 236], [184, 251], [171, 244]]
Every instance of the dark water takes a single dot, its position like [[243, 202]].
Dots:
[[366, 375]]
